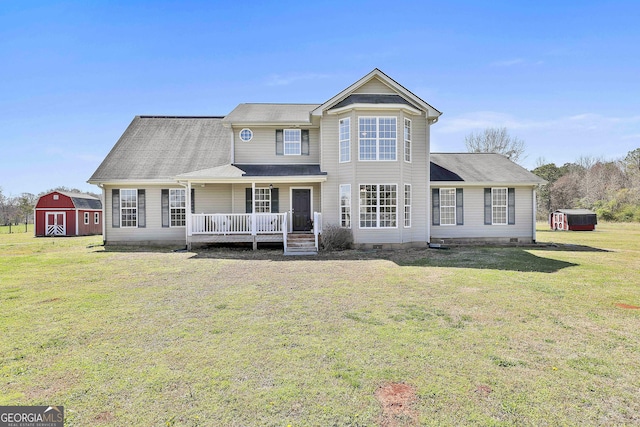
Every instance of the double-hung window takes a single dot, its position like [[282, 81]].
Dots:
[[292, 142], [96, 217], [378, 205], [344, 130], [263, 200], [128, 208], [86, 218], [377, 138], [407, 205], [447, 206], [178, 207], [345, 205], [499, 206], [407, 140]]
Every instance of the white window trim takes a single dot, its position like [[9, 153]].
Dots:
[[377, 159], [347, 188], [268, 200], [347, 141], [96, 217], [455, 207], [360, 206], [506, 206], [284, 142], [243, 130], [135, 225], [86, 218], [407, 142], [407, 205], [172, 208]]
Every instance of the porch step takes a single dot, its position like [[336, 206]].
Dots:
[[301, 244]]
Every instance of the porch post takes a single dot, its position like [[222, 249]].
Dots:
[[253, 216], [188, 231]]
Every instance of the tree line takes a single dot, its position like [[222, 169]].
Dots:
[[611, 188]]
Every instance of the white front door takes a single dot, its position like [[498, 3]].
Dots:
[[56, 224]]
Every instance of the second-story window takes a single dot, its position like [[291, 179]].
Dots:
[[345, 139], [292, 142], [377, 138]]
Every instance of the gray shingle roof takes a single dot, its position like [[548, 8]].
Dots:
[[163, 147], [280, 170], [271, 113], [479, 168], [367, 98]]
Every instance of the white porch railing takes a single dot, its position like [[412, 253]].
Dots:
[[259, 223]]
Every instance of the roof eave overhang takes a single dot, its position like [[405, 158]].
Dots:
[[269, 123], [158, 181], [375, 107], [482, 184], [256, 179]]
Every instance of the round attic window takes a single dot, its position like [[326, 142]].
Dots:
[[246, 135]]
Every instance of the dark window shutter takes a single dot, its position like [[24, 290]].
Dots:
[[511, 205], [248, 200], [142, 209], [487, 206], [193, 200], [435, 206], [305, 142], [115, 208], [275, 200], [279, 142], [459, 207], [164, 202]]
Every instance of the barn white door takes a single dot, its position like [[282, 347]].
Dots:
[[56, 225]]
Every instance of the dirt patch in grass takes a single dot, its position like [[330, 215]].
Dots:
[[104, 417], [396, 400], [627, 306]]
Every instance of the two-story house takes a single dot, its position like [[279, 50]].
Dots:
[[270, 172]]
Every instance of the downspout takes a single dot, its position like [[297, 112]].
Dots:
[[104, 217], [428, 207], [535, 214]]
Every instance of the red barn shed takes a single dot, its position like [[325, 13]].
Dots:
[[573, 219], [60, 213]]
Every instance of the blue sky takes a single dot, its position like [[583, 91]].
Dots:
[[562, 76]]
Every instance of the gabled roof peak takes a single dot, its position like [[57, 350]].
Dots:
[[396, 87]]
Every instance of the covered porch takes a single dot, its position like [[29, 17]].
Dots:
[[254, 204]]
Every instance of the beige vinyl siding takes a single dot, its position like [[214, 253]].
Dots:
[[284, 195], [262, 147], [213, 198], [474, 226], [153, 233], [374, 86], [358, 172]]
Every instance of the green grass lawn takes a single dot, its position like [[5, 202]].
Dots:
[[485, 336]]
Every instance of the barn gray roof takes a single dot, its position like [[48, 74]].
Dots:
[[271, 113], [83, 201], [161, 147], [479, 168]]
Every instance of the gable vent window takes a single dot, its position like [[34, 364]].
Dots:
[[246, 135]]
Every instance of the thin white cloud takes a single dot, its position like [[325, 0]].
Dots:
[[508, 62], [284, 80], [480, 120], [515, 61]]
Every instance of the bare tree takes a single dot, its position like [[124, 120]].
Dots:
[[496, 140]]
